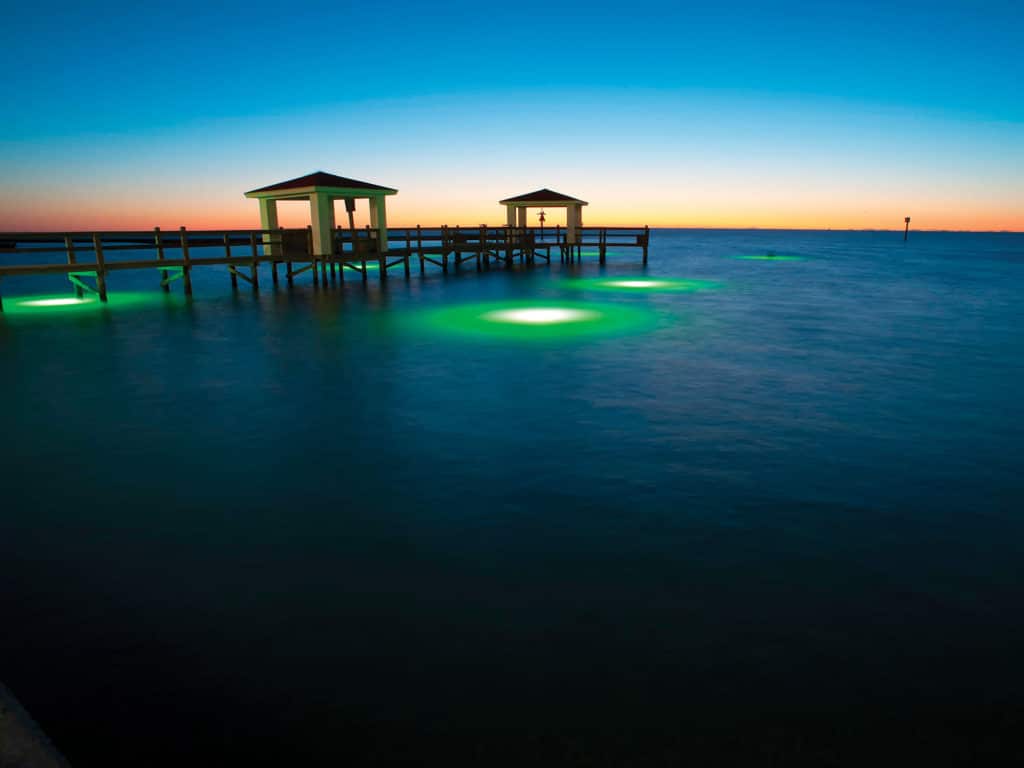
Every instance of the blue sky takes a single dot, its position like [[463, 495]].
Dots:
[[242, 94]]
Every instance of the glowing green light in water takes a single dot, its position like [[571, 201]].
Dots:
[[541, 316], [535, 320], [642, 284], [56, 302], [39, 306]]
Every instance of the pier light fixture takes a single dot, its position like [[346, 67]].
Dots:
[[532, 321], [51, 305], [516, 210], [321, 190], [642, 284], [636, 283], [541, 315], [65, 302]]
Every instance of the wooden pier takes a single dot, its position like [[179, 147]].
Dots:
[[88, 258]]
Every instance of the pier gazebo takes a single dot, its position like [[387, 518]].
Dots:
[[516, 208], [322, 189]]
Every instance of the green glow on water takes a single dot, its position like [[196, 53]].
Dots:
[[536, 320], [56, 302], [642, 284], [52, 305], [769, 257]]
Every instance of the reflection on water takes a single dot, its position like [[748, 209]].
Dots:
[[347, 525]]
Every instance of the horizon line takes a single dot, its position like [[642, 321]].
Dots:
[[585, 226]]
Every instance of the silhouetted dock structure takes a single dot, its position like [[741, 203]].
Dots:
[[323, 249], [89, 258]]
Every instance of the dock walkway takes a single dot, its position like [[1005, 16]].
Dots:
[[87, 258]]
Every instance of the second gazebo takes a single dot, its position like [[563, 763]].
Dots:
[[516, 208]]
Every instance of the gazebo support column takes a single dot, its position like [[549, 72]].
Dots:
[[521, 216], [573, 219], [321, 209], [379, 221], [510, 215], [268, 220]]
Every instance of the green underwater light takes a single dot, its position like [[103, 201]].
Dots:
[[536, 320], [40, 306], [642, 284], [56, 302]]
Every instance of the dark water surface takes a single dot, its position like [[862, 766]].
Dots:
[[780, 520]]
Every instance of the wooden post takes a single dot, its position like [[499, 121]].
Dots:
[[382, 257], [312, 256], [255, 261], [480, 253], [419, 247], [287, 254], [408, 250], [186, 268], [231, 267], [69, 244], [158, 240], [445, 244], [369, 242], [335, 247], [647, 239], [602, 238], [101, 267], [906, 230]]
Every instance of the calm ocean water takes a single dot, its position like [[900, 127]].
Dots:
[[779, 518]]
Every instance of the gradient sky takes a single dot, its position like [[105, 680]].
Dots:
[[826, 114]]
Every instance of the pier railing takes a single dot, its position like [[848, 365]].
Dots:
[[87, 258]]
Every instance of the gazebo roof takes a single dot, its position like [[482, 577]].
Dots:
[[321, 181], [542, 196]]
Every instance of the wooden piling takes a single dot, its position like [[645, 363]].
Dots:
[[231, 267], [408, 250], [186, 267], [602, 247], [312, 256], [255, 261], [445, 243], [419, 247], [287, 254], [69, 244], [335, 249], [158, 241], [906, 230], [101, 268], [647, 240]]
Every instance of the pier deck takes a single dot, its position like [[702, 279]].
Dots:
[[87, 258]]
